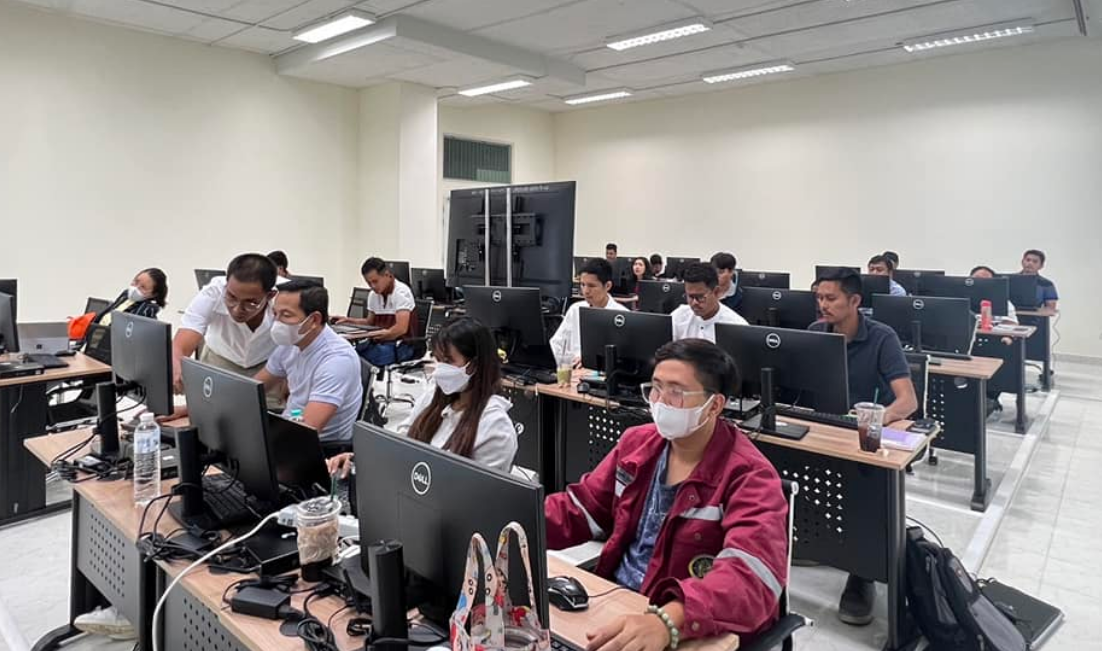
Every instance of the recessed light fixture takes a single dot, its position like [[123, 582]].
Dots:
[[342, 23], [963, 37], [603, 96], [511, 83], [661, 33], [747, 72]]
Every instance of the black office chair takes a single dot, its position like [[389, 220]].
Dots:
[[419, 342], [357, 305], [780, 634]]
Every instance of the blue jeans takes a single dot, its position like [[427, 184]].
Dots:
[[384, 353]]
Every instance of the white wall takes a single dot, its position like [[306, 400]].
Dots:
[[951, 162], [121, 150]]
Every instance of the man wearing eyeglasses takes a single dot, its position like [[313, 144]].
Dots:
[[698, 319], [692, 514], [232, 319]]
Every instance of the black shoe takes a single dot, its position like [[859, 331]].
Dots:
[[855, 607]]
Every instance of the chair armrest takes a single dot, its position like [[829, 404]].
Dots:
[[777, 634]]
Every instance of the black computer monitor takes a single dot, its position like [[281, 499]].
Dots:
[[911, 279], [231, 417], [582, 261], [515, 314], [795, 367], [1023, 291], [976, 290], [204, 276], [874, 284], [660, 296], [623, 278], [10, 286], [313, 279], [928, 323], [675, 267], [433, 501], [400, 270], [778, 308], [9, 333], [830, 269], [771, 279], [622, 344], [141, 359], [429, 284]]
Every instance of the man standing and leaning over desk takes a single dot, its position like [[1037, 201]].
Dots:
[[1032, 263], [878, 372], [693, 515], [596, 281]]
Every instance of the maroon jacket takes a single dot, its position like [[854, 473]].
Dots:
[[730, 510]]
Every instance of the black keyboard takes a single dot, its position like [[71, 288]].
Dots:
[[559, 644], [46, 360], [834, 420], [540, 375], [225, 500], [352, 329]]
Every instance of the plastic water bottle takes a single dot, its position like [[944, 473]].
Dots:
[[985, 315], [147, 460], [296, 415]]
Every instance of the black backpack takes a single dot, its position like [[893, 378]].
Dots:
[[947, 604]]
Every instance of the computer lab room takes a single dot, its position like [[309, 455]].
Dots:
[[550, 325]]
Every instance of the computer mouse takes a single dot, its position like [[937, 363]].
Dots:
[[567, 593]]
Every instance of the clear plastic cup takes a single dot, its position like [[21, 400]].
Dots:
[[870, 420], [318, 525], [564, 369]]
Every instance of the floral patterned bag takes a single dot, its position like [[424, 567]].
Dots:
[[496, 624]]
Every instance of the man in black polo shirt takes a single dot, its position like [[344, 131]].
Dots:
[[1033, 261], [878, 372]]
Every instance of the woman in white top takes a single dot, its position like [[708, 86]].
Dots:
[[461, 411]]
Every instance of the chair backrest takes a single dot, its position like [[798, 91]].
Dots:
[[367, 376], [357, 305], [791, 489], [424, 313], [920, 375], [96, 305]]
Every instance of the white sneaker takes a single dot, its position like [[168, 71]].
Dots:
[[106, 621]]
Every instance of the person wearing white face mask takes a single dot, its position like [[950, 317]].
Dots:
[[145, 296], [321, 369], [692, 514], [460, 410]]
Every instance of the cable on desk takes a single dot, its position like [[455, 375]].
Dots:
[[315, 635]]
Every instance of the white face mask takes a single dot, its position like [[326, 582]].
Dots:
[[674, 423], [287, 334], [135, 294], [451, 379]]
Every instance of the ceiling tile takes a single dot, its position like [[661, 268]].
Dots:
[[255, 11], [260, 39], [464, 71], [138, 14], [357, 66], [466, 15], [304, 14], [214, 29]]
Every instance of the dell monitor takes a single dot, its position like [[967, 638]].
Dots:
[[317, 280], [204, 276], [9, 334], [515, 314], [580, 262], [1023, 291], [874, 284], [622, 344], [623, 278], [432, 502], [141, 359], [911, 279], [771, 279], [10, 286], [793, 309], [675, 267], [660, 296], [799, 368], [976, 290], [400, 270], [429, 284], [928, 323]]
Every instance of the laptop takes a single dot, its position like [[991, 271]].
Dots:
[[41, 342], [299, 459]]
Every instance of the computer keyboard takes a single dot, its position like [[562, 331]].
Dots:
[[46, 360], [560, 644], [823, 418], [540, 375], [225, 500], [352, 329]]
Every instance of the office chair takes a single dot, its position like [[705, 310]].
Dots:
[[419, 342], [357, 304], [920, 378], [780, 634]]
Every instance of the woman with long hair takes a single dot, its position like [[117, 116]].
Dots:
[[461, 411], [145, 296]]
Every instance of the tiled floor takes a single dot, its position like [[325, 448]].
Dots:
[[1051, 526]]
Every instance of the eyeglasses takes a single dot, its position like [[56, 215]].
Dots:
[[673, 396], [696, 298], [249, 306]]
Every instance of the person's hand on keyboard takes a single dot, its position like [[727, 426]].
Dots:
[[643, 632]]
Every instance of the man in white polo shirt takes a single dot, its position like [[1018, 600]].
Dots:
[[231, 318], [596, 281], [321, 369], [390, 307], [698, 319]]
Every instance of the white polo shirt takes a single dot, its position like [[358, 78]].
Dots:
[[400, 298], [495, 442], [687, 325], [568, 337], [328, 370], [208, 315]]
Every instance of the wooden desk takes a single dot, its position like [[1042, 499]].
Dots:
[[25, 406], [1039, 347], [956, 397], [1010, 347]]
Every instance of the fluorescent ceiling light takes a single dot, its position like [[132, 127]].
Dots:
[[976, 35], [756, 70], [496, 87], [602, 96], [341, 23], [658, 34]]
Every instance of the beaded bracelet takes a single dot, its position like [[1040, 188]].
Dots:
[[675, 635]]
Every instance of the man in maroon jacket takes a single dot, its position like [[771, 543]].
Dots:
[[692, 514]]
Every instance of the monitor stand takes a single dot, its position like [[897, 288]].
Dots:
[[916, 336], [107, 421], [772, 317], [766, 421]]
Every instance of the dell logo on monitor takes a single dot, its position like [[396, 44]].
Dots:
[[208, 386], [968, 282], [496, 296], [619, 321], [129, 329], [918, 304], [773, 340], [421, 478], [761, 276], [519, 427], [776, 296], [665, 289]]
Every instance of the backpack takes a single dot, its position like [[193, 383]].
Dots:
[[947, 603]]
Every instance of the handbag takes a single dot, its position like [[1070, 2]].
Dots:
[[496, 624]]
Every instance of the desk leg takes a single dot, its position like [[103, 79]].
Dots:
[[899, 627], [1019, 361], [560, 410], [83, 596], [981, 494]]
